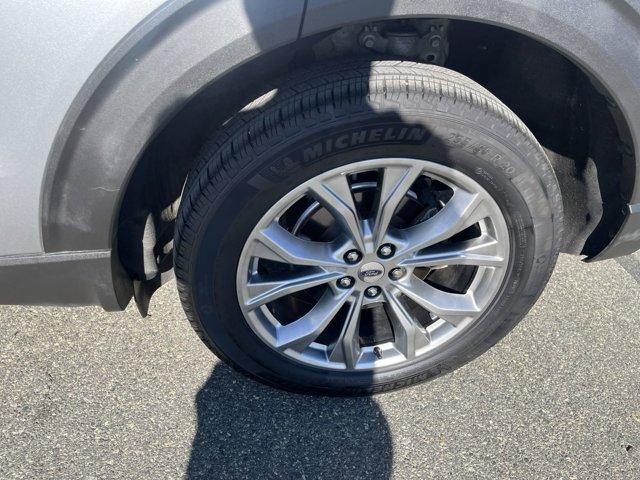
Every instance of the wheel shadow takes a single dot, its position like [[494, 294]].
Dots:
[[248, 430]]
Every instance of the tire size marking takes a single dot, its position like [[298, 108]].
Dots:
[[483, 152]]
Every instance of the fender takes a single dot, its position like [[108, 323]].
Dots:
[[146, 79], [183, 49]]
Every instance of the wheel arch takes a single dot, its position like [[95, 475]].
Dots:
[[144, 81], [113, 121]]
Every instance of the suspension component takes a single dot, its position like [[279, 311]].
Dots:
[[424, 40]]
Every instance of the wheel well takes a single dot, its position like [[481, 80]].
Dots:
[[578, 124]]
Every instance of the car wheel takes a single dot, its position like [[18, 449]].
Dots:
[[365, 226]]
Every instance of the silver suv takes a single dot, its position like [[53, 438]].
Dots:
[[353, 195]]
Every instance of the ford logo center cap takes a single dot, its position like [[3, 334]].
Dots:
[[371, 272]]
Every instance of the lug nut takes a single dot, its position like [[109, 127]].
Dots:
[[345, 282], [386, 250], [397, 273], [352, 256], [372, 292]]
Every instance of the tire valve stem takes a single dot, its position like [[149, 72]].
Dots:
[[377, 352]]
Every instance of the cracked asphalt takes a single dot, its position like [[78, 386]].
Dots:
[[87, 394]]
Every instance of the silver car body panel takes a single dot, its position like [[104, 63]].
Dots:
[[48, 49]]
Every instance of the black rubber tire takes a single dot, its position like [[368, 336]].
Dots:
[[298, 131]]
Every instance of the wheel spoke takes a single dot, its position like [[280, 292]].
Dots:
[[396, 181], [347, 346], [335, 195], [463, 210], [276, 243], [300, 333], [409, 336], [483, 251], [261, 292], [453, 308]]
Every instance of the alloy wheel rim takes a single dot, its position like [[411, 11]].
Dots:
[[352, 244]]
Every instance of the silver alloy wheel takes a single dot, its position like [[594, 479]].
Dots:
[[465, 231]]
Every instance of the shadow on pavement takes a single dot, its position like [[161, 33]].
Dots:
[[248, 430]]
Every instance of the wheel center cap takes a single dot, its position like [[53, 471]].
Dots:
[[371, 272]]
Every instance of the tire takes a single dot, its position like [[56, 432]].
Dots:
[[297, 132]]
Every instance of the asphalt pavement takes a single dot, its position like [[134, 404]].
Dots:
[[88, 394]]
